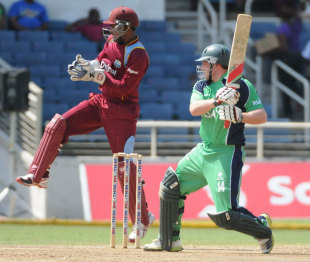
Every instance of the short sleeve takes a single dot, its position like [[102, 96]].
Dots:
[[197, 93], [253, 101]]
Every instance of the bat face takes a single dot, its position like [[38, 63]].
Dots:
[[237, 53], [238, 50]]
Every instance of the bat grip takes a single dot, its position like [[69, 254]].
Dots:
[[226, 122]]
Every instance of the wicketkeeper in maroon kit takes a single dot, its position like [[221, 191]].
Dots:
[[118, 70]]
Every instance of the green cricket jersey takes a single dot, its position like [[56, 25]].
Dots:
[[212, 129]]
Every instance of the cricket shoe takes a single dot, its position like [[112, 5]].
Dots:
[[176, 246], [143, 229], [266, 244], [27, 180]]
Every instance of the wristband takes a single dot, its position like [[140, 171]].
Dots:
[[215, 103]]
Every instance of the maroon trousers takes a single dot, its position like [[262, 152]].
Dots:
[[119, 122]]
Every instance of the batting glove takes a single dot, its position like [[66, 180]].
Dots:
[[230, 113], [227, 95]]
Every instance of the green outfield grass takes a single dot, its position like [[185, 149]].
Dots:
[[19, 234]]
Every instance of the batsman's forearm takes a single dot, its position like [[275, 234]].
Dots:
[[200, 107], [254, 117]]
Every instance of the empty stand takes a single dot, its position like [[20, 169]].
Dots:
[[7, 35], [50, 109], [50, 96], [164, 83], [175, 96], [59, 83], [7, 56], [44, 70], [85, 48], [89, 86], [148, 96], [29, 59], [38, 80], [33, 35], [151, 26], [154, 71], [180, 48], [57, 25], [48, 46], [154, 47], [156, 111], [12, 46], [72, 97], [182, 112], [65, 36]]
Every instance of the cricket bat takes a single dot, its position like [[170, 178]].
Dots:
[[237, 53]]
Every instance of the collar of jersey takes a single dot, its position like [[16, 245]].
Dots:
[[133, 41]]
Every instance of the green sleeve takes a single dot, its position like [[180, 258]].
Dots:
[[254, 101], [196, 96]]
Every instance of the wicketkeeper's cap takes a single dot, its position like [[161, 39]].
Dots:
[[125, 14]]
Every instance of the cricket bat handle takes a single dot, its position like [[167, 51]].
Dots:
[[226, 122], [233, 86]]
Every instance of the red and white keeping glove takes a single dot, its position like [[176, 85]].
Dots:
[[85, 70], [230, 113], [227, 95]]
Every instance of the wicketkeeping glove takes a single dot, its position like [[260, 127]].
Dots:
[[230, 113], [227, 95], [85, 70], [79, 60]]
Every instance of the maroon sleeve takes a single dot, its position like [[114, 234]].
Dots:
[[136, 67]]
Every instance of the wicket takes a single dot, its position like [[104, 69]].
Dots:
[[127, 160]]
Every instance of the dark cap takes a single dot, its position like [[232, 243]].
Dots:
[[123, 13]]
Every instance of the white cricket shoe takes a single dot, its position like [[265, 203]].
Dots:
[[143, 229], [27, 180], [266, 244], [176, 246]]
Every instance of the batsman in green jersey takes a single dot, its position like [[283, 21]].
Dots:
[[218, 160]]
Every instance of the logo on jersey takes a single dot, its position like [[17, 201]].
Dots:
[[256, 102], [206, 92], [212, 113], [107, 68], [117, 63]]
